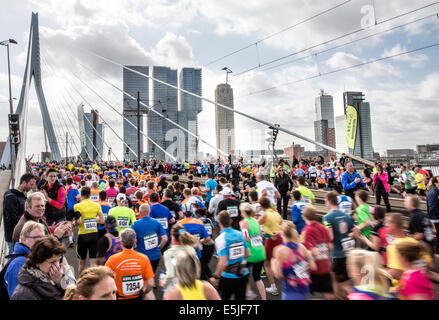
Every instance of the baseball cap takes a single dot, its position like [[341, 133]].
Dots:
[[111, 222], [121, 197], [226, 191]]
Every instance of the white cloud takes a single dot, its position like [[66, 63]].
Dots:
[[415, 60]]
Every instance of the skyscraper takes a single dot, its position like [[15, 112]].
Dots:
[[324, 128], [357, 109], [190, 107], [132, 83], [224, 119], [91, 132], [165, 101]]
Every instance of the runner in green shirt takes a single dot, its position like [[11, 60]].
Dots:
[[364, 217], [125, 216], [307, 195]]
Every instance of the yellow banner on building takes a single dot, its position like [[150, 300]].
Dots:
[[351, 126]]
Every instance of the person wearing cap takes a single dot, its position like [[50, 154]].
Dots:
[[231, 205], [109, 244], [125, 216]]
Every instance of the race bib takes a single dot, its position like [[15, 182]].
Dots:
[[90, 225], [347, 244], [322, 251], [151, 241], [233, 211], [163, 222], [307, 200], [122, 222], [389, 238], [428, 234], [208, 227], [256, 240], [301, 270], [133, 197], [111, 200], [132, 284], [94, 197], [346, 208], [236, 251]]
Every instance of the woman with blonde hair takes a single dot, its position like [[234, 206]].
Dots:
[[180, 240], [96, 283], [371, 282], [188, 286], [291, 261]]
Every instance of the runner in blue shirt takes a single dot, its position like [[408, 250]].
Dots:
[[151, 237], [161, 214], [296, 211], [232, 251], [210, 186], [340, 226]]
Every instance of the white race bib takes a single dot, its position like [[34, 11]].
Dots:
[[90, 225], [208, 227], [122, 222], [111, 200], [256, 240], [94, 197], [306, 200], [236, 251], [151, 241], [428, 234], [233, 211], [322, 251], [163, 222], [348, 244], [133, 197], [132, 284]]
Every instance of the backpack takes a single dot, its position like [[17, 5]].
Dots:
[[4, 296]]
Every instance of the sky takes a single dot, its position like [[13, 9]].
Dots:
[[403, 92]]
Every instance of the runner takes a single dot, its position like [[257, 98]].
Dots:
[[55, 196], [345, 203], [351, 180], [230, 205], [291, 262], [266, 189], [131, 191], [420, 227], [161, 214], [251, 230], [73, 196], [125, 217], [87, 215], [180, 240], [297, 211], [109, 244], [307, 195], [316, 240], [339, 226], [94, 192], [271, 222], [151, 237], [363, 214], [171, 205], [414, 284], [188, 286], [370, 280], [208, 246], [433, 206], [134, 275], [232, 251], [112, 192], [105, 207]]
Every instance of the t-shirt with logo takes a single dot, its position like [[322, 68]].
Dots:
[[231, 243], [125, 217], [316, 236], [341, 225], [149, 232], [296, 214], [211, 185], [89, 210], [132, 269]]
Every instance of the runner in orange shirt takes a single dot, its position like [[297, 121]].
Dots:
[[134, 276]]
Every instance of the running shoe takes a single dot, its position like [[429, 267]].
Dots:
[[272, 291], [250, 295]]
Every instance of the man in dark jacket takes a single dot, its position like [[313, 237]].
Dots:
[[13, 205], [284, 185], [433, 207]]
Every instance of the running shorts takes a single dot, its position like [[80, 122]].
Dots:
[[321, 283], [270, 245], [421, 192], [87, 242], [411, 191], [256, 268], [339, 269], [321, 185]]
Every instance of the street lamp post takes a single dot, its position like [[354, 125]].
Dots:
[[11, 110], [227, 73]]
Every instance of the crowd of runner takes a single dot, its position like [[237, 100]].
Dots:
[[149, 225]]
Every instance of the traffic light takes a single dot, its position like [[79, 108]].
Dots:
[[14, 128]]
